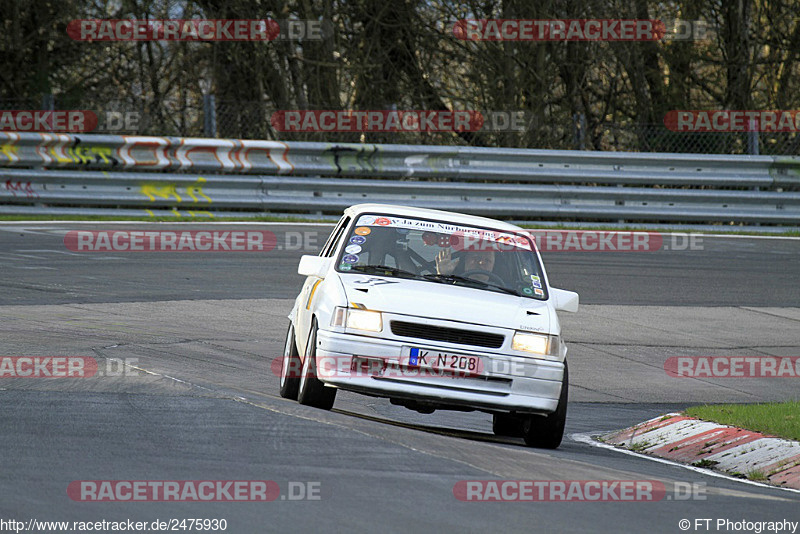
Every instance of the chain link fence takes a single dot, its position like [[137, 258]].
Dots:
[[208, 117]]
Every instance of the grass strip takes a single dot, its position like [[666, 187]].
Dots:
[[781, 419]]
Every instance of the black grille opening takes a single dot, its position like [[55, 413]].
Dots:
[[450, 335]]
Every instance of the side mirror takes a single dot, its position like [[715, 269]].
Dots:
[[565, 300], [314, 266]]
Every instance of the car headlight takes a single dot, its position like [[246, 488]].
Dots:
[[543, 344], [367, 320]]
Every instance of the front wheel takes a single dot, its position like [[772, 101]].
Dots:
[[312, 391], [546, 432], [290, 368]]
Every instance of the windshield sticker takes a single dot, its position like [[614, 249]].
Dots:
[[350, 258], [363, 230], [537, 283], [358, 240], [352, 249], [471, 238], [527, 291], [345, 267], [539, 292], [444, 241]]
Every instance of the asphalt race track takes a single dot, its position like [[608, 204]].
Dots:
[[197, 398]]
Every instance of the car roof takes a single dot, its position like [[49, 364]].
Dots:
[[450, 216]]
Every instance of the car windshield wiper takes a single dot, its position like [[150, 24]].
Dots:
[[382, 269], [456, 278], [504, 289]]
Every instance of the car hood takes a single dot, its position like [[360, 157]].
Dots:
[[449, 302]]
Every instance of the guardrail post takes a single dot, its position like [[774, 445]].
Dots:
[[752, 147], [579, 123], [209, 115], [752, 139], [48, 102]]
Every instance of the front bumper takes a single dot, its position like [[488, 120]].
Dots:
[[505, 384]]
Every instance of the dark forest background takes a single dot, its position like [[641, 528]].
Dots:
[[387, 54]]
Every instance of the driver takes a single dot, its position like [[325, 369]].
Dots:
[[474, 260]]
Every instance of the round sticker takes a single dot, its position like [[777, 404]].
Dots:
[[383, 221], [363, 230], [352, 249], [366, 220], [345, 267], [358, 240], [350, 258], [527, 291]]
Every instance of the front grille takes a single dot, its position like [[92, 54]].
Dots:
[[450, 335]]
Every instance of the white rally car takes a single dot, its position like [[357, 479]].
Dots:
[[433, 310]]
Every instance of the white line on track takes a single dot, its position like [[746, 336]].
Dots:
[[49, 251], [15, 255]]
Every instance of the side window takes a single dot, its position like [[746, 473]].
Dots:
[[335, 237]]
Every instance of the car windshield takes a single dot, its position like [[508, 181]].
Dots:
[[443, 252]]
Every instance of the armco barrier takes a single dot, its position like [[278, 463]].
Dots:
[[55, 173]]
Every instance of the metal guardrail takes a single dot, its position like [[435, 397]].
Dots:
[[56, 173]]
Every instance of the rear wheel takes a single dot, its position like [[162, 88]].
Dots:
[[290, 368], [312, 392], [546, 432]]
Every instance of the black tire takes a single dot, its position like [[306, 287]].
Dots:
[[507, 425], [312, 392], [290, 367], [546, 432]]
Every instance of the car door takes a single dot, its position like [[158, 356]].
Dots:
[[305, 308]]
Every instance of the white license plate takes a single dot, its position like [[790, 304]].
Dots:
[[444, 361]]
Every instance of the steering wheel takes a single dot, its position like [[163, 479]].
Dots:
[[493, 278]]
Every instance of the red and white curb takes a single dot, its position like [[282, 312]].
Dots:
[[724, 448]]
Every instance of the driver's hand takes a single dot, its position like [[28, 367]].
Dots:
[[445, 264]]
